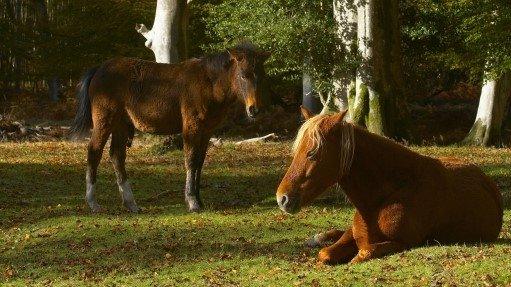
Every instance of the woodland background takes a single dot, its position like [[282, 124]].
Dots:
[[448, 48]]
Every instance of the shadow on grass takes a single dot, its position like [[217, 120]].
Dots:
[[34, 192], [503, 241], [101, 250], [31, 192]]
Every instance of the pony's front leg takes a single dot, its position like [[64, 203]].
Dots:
[[195, 152], [377, 250], [324, 238], [341, 251]]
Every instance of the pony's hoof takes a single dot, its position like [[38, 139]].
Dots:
[[315, 241]]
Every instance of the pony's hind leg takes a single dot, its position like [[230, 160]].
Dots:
[[100, 134], [120, 139], [341, 251]]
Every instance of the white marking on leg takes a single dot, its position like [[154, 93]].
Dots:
[[127, 196], [89, 194]]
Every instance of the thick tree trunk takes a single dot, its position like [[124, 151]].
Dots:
[[380, 97], [345, 15], [167, 38], [492, 110]]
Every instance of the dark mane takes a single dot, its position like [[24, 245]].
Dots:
[[215, 63]]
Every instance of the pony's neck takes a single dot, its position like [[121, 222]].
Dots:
[[222, 90], [379, 167]]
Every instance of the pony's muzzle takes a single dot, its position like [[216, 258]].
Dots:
[[252, 111], [288, 204]]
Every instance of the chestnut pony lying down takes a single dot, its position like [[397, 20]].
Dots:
[[402, 199]]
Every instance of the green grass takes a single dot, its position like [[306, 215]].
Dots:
[[49, 237]]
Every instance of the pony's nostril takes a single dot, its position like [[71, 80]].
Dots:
[[253, 110], [283, 200]]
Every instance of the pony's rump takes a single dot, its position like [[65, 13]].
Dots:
[[83, 119]]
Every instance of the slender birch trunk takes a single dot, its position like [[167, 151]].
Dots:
[[345, 15], [360, 105], [167, 38], [492, 110]]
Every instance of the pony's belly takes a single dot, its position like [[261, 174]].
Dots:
[[156, 123]]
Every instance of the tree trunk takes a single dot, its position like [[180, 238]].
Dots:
[[380, 98], [310, 99], [54, 89], [166, 38], [492, 110], [345, 16]]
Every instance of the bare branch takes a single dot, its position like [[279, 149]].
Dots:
[[142, 29], [271, 136]]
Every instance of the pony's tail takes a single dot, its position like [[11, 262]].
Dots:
[[83, 118]]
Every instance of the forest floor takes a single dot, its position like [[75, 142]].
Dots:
[[49, 237]]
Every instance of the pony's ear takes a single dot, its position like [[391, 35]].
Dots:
[[228, 63], [264, 55], [306, 113], [339, 117]]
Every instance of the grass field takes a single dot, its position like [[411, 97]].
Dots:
[[49, 237]]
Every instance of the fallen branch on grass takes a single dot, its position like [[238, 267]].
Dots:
[[271, 136]]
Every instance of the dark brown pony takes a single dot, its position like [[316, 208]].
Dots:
[[189, 98], [402, 199]]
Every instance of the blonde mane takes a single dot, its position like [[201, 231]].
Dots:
[[311, 129]]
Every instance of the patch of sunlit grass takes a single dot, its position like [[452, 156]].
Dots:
[[49, 237]]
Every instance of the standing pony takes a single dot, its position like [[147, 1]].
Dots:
[[402, 199], [189, 98]]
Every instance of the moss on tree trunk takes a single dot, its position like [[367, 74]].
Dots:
[[476, 135], [375, 119], [386, 112], [360, 107]]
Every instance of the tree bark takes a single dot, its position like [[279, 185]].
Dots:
[[380, 95], [54, 89], [310, 99], [167, 37], [492, 110], [345, 16]]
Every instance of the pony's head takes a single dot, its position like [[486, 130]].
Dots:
[[322, 154], [247, 75]]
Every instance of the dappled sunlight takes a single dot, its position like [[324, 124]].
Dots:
[[47, 231]]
